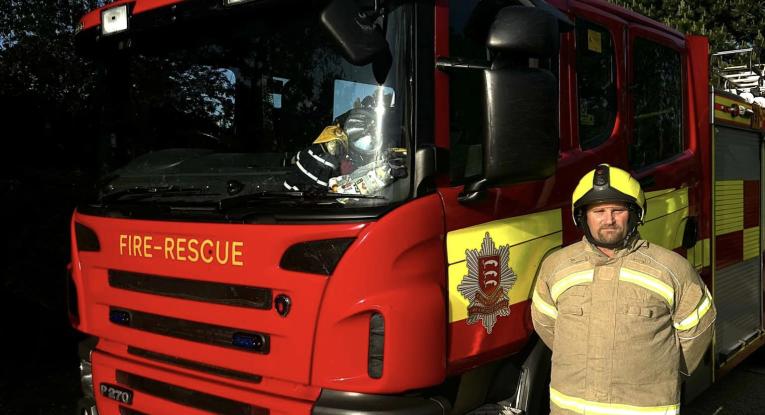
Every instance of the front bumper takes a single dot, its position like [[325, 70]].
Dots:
[[350, 403], [156, 390]]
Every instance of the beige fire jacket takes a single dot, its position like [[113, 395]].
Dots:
[[621, 329]]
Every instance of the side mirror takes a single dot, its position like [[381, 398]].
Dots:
[[521, 140], [524, 31], [359, 39]]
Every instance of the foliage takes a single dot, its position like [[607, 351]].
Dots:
[[729, 24], [44, 85], [45, 113]]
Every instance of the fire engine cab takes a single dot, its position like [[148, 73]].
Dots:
[[340, 206]]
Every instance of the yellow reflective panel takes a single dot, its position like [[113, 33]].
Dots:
[[510, 231], [707, 252], [693, 255], [663, 202], [729, 206], [751, 242], [666, 230], [567, 282], [582, 406], [654, 193], [699, 256], [649, 283], [666, 212], [524, 260]]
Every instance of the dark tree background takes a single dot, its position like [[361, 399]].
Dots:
[[50, 130], [729, 25], [47, 130]]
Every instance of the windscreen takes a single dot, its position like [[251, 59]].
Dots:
[[257, 107]]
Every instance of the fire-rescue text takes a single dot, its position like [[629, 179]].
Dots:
[[183, 249]]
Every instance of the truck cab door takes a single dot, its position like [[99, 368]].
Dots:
[[662, 150], [596, 131]]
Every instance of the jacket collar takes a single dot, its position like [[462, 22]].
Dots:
[[596, 257]]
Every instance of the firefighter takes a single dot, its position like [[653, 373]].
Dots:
[[623, 317], [350, 156]]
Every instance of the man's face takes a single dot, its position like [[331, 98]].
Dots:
[[608, 221]]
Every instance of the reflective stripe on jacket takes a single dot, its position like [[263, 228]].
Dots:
[[313, 168], [621, 329]]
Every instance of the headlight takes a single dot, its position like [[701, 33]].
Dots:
[[315, 257], [114, 20], [86, 238]]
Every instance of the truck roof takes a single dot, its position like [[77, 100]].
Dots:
[[93, 18]]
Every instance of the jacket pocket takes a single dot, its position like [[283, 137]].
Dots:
[[571, 310], [645, 350], [571, 327], [645, 311]]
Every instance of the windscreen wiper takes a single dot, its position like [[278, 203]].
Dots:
[[143, 192], [297, 196]]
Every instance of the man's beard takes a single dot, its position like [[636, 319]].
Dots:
[[610, 235]]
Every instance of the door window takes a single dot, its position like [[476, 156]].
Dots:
[[657, 133], [596, 83]]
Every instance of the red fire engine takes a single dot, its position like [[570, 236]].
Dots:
[[340, 206]]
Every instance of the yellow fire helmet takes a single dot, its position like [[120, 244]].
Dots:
[[608, 184], [334, 140]]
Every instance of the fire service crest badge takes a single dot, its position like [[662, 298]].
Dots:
[[486, 285]]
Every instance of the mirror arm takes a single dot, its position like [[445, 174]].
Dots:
[[429, 162], [472, 191], [456, 64]]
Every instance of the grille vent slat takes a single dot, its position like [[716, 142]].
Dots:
[[204, 291], [191, 330], [188, 364], [188, 397]]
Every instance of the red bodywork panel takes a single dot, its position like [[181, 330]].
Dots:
[[470, 346], [395, 267], [263, 247]]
